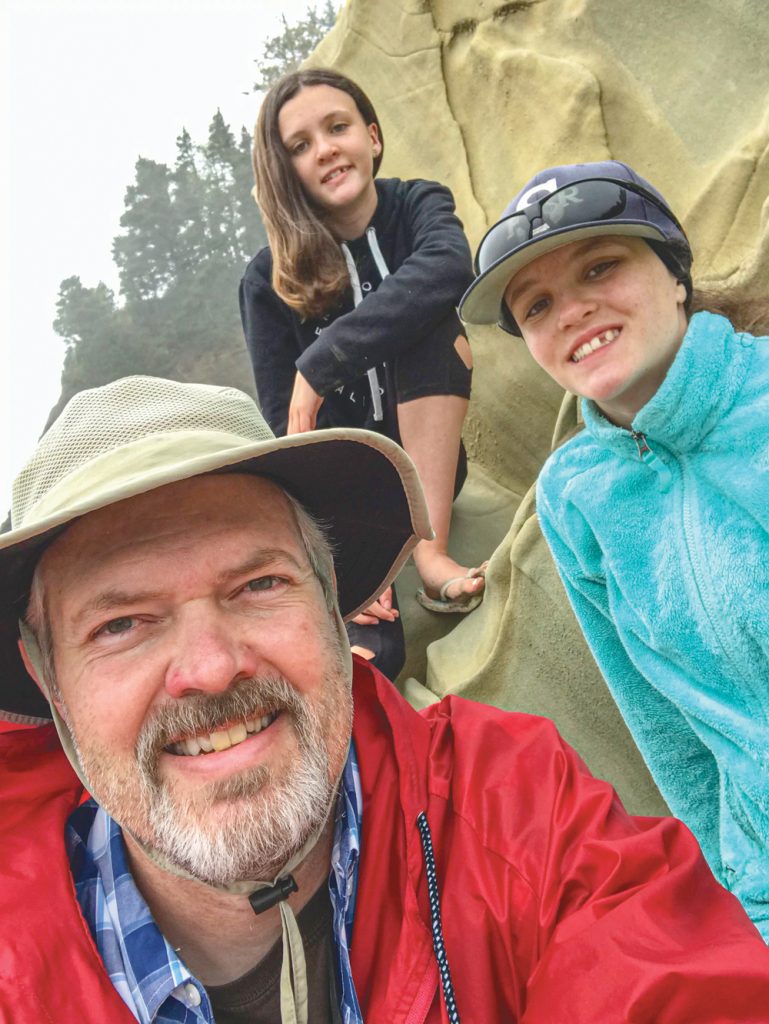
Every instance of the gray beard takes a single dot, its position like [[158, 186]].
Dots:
[[245, 828]]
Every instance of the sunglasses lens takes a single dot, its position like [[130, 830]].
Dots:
[[577, 204], [506, 236], [584, 202]]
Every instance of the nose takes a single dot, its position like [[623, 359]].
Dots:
[[326, 147], [574, 306], [208, 654]]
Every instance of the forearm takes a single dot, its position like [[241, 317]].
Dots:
[[408, 303]]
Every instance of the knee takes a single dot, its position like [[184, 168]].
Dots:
[[462, 348]]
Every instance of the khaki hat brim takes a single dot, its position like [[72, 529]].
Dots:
[[361, 485]]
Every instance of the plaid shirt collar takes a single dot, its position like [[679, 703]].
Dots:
[[146, 971]]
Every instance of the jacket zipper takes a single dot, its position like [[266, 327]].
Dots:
[[641, 443], [698, 572], [699, 568], [647, 456]]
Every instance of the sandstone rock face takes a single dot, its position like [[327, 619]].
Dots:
[[481, 94]]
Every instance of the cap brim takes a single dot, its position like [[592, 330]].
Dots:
[[481, 302], [360, 484]]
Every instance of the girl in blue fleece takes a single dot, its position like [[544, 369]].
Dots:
[[657, 513]]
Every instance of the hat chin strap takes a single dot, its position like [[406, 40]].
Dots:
[[293, 972]]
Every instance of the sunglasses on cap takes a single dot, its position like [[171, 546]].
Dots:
[[578, 204], [569, 206]]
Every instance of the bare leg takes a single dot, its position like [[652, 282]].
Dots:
[[430, 430]]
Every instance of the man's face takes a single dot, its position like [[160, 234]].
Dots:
[[199, 670]]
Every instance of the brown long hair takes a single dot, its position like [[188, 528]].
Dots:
[[308, 268], [740, 305]]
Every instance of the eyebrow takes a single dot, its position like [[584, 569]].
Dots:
[[582, 248], [114, 597], [257, 562]]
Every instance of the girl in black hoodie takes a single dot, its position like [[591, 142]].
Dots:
[[349, 314]]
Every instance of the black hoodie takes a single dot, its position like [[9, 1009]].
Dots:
[[425, 250]]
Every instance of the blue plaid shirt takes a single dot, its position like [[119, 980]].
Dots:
[[148, 974]]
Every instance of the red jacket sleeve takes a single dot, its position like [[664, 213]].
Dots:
[[633, 925], [557, 907]]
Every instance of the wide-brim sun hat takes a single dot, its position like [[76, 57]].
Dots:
[[561, 205], [140, 433]]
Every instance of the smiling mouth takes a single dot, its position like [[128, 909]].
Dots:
[[221, 739], [333, 174], [599, 341]]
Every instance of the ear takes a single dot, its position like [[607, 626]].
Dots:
[[29, 665], [376, 142], [680, 293]]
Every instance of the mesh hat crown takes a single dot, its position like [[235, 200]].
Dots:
[[140, 433], [97, 423]]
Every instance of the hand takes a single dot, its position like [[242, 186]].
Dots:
[[364, 652], [303, 408], [382, 608]]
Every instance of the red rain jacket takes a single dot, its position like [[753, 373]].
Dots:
[[556, 905]]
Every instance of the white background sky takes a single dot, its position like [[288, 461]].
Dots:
[[87, 87]]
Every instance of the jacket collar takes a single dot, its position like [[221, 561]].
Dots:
[[699, 389], [386, 211], [393, 743], [42, 789]]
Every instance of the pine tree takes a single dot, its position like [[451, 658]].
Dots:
[[220, 209], [186, 234], [82, 312], [187, 189], [146, 252], [254, 235], [287, 50]]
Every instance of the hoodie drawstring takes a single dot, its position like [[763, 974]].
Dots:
[[357, 294], [435, 915]]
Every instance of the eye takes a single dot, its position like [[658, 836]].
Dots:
[[262, 583], [535, 309], [116, 627], [601, 268], [338, 127], [298, 148]]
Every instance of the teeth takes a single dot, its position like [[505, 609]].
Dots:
[[222, 739], [334, 174], [237, 733], [597, 342]]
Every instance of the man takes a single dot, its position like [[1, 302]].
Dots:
[[241, 859]]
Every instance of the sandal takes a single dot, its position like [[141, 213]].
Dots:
[[460, 605]]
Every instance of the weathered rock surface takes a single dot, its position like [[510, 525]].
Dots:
[[480, 94]]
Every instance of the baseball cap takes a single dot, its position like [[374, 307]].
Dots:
[[560, 205]]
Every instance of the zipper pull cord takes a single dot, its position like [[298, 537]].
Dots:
[[647, 456], [435, 915]]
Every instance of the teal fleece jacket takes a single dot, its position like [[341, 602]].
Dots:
[[661, 537]]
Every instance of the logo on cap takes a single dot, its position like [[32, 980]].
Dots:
[[528, 196]]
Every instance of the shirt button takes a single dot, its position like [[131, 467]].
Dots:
[[192, 994]]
